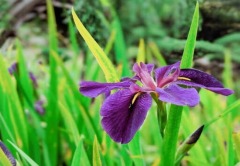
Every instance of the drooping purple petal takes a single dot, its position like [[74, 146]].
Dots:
[[8, 154], [122, 118], [93, 89], [178, 95], [202, 80], [167, 74]]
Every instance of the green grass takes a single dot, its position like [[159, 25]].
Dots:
[[70, 132]]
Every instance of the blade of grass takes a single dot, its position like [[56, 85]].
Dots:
[[231, 108], [69, 123], [136, 151], [141, 51], [120, 46], [24, 155], [11, 108], [156, 52], [4, 160], [187, 58], [174, 120], [105, 64], [96, 154], [80, 156], [52, 108], [110, 42], [236, 140], [81, 100]]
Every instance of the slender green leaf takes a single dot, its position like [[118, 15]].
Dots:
[[96, 154], [187, 58], [120, 46], [135, 150], [156, 52], [110, 42], [4, 159], [102, 59], [80, 156], [24, 155], [141, 51], [236, 140], [52, 108], [11, 108]]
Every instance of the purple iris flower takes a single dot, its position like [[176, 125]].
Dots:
[[124, 111], [8, 154], [39, 106]]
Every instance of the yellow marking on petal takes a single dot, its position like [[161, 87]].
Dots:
[[184, 78], [135, 97]]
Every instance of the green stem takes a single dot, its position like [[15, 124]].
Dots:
[[161, 114], [162, 117], [171, 136]]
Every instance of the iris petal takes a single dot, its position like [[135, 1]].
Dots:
[[122, 118], [93, 89], [178, 95], [203, 80], [167, 74]]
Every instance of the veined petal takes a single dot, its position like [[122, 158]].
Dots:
[[143, 74], [93, 89], [123, 114], [203, 80], [150, 67], [167, 74], [178, 95]]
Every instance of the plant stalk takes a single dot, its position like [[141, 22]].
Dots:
[[171, 135]]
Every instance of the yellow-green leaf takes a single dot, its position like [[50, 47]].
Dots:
[[141, 51], [96, 155], [104, 62]]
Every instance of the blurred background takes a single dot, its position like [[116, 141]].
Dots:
[[164, 23], [122, 29]]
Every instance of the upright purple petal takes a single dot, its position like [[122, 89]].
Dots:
[[202, 80], [93, 89], [123, 114], [8, 154], [142, 73], [167, 74], [150, 67], [178, 95]]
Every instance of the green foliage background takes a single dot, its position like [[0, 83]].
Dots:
[[69, 133]]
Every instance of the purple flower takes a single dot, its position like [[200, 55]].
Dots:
[[124, 112], [13, 68], [8, 154], [39, 106], [33, 79]]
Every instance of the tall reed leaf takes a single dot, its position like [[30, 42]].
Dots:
[[80, 156], [96, 154], [174, 120], [24, 155], [12, 107], [102, 59], [187, 58], [119, 45], [141, 51], [52, 108]]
